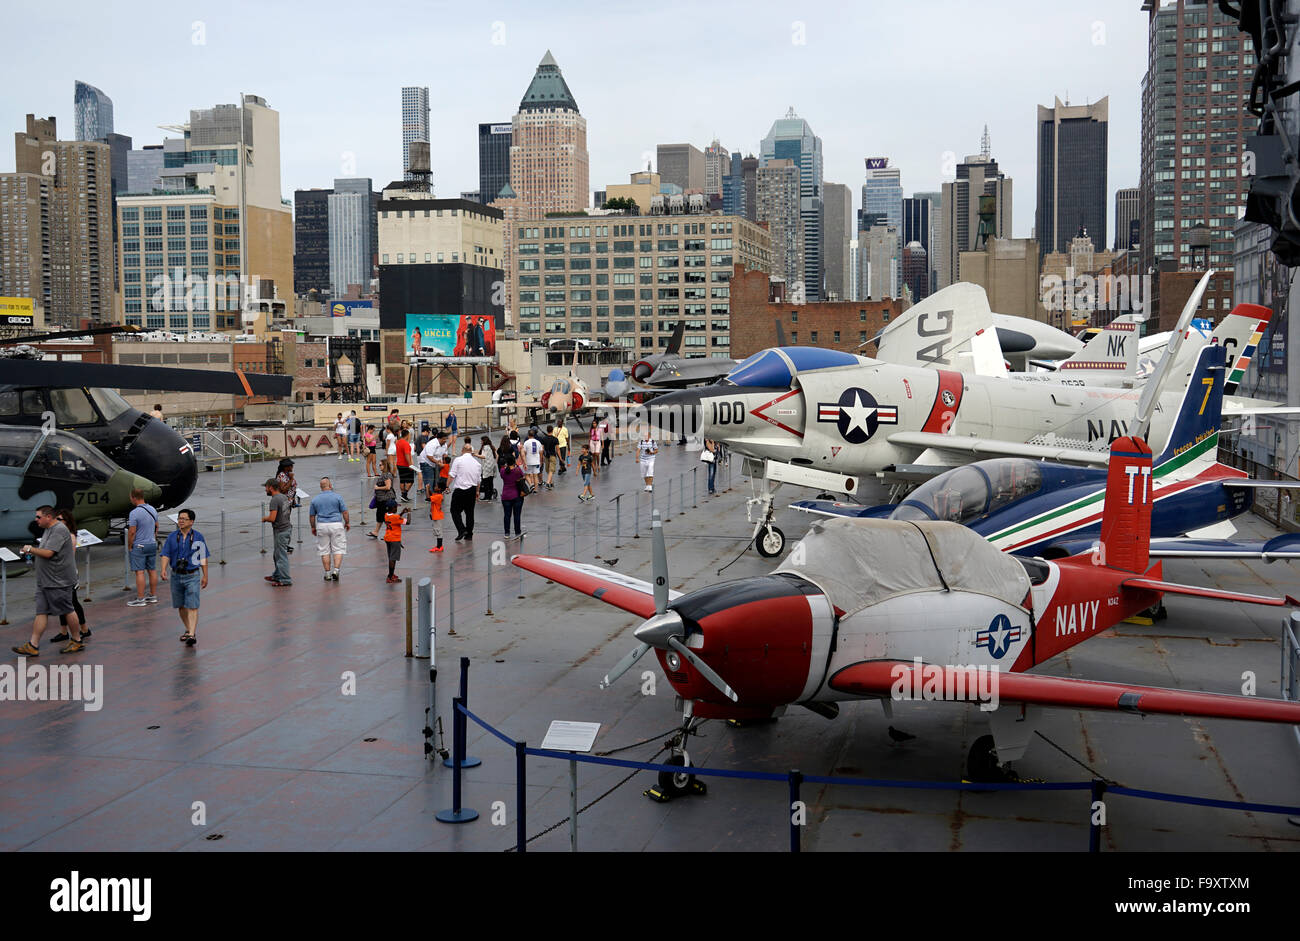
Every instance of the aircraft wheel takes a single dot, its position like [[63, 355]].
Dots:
[[676, 784], [982, 762], [770, 542]]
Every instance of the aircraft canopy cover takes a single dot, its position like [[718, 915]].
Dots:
[[861, 562]]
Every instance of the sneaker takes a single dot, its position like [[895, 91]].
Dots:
[[282, 584], [136, 603], [85, 632], [150, 599], [329, 576], [269, 578], [392, 578], [59, 637], [26, 650], [73, 646], [649, 489], [334, 576]]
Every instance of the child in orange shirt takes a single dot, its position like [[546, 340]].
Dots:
[[393, 523], [435, 514]]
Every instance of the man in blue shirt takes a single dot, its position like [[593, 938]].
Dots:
[[142, 545], [330, 525], [186, 553]]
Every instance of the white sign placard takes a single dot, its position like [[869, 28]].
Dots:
[[7, 556], [86, 538], [571, 736], [302, 494]]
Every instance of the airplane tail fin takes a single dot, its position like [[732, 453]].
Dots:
[[1195, 430], [1113, 349], [1239, 333], [675, 341], [1126, 514]]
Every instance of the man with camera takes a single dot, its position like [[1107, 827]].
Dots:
[[186, 554]]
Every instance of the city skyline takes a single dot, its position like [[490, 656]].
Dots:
[[334, 127]]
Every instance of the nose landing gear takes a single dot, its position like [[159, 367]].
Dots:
[[678, 783]]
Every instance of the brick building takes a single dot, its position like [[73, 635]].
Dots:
[[758, 303]]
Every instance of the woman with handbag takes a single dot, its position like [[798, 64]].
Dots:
[[710, 457], [513, 488], [385, 498], [488, 457]]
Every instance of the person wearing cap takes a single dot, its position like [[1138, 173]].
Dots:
[[465, 476]]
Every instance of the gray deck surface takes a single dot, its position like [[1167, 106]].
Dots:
[[253, 722]]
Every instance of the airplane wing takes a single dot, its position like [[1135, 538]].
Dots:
[[834, 509], [1284, 547], [987, 447], [1173, 588], [631, 594], [878, 678], [1234, 409]]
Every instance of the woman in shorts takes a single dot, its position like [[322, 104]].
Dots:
[[370, 442]]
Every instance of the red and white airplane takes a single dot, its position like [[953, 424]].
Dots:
[[894, 609]]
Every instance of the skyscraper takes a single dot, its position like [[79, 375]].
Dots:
[[1194, 121], [918, 226], [882, 196], [749, 182], [978, 175], [1128, 202], [1071, 173], [779, 184], [94, 112], [493, 159], [733, 186], [791, 138], [717, 164], [839, 230], [682, 164], [75, 177], [311, 241], [916, 271], [415, 122], [549, 163], [932, 244], [351, 221]]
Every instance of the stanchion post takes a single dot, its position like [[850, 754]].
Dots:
[[457, 813], [521, 797], [466, 761], [126, 565], [1094, 828], [262, 528], [597, 526], [223, 538], [795, 777], [451, 603], [575, 539], [695, 485], [4, 592], [548, 539], [573, 806], [668, 507], [88, 599], [488, 612], [299, 514], [636, 519], [423, 619], [407, 589], [618, 521]]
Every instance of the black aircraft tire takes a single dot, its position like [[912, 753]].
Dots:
[[770, 542], [675, 785], [982, 762]]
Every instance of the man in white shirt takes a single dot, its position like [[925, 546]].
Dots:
[[430, 463], [532, 452], [465, 476], [647, 448]]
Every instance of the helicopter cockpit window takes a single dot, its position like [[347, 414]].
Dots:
[[33, 402], [9, 402], [65, 457], [72, 407], [110, 403]]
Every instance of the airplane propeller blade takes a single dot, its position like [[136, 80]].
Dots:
[[1155, 385], [705, 670], [660, 563], [624, 665]]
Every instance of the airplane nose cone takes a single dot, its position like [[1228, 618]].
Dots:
[[655, 631], [168, 460], [676, 412], [153, 494]]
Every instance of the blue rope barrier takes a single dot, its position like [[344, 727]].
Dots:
[[951, 786], [1203, 801], [501, 735]]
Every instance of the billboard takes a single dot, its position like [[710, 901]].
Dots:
[[17, 312], [444, 339], [348, 308]]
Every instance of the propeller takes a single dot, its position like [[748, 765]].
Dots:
[[665, 630], [1155, 385]]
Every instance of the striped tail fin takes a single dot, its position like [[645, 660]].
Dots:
[[1126, 514], [1194, 434]]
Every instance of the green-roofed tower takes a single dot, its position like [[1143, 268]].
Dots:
[[548, 88]]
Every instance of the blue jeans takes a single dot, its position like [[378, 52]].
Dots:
[[282, 539], [513, 508], [713, 472]]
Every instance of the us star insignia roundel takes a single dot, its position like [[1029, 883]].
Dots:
[[857, 415]]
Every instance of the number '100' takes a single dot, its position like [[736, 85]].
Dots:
[[728, 413]]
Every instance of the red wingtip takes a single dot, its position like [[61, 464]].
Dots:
[[1253, 311]]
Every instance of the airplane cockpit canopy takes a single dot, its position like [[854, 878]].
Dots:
[[775, 368], [965, 494], [61, 456]]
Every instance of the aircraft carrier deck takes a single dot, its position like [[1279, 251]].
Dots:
[[253, 722]]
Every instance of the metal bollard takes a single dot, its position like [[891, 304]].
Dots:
[[521, 797], [668, 507], [488, 612], [618, 521], [597, 526], [695, 486], [263, 528], [451, 598], [4, 592], [223, 538], [457, 813], [126, 566], [636, 522], [406, 587], [464, 760], [299, 512], [548, 539], [88, 599], [424, 618], [573, 806]]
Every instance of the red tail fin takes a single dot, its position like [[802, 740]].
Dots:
[[1126, 515]]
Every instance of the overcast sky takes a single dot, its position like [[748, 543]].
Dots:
[[915, 82]]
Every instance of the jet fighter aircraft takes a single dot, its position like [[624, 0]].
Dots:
[[897, 609]]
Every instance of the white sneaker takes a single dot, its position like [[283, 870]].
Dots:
[[649, 489], [136, 603], [151, 599], [328, 576]]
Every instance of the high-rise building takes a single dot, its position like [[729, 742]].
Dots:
[[1071, 173], [882, 196], [77, 175], [733, 186], [919, 218], [1194, 121], [882, 262], [351, 221], [959, 228], [222, 222], [933, 244], [717, 164], [93, 112], [311, 241], [415, 122], [839, 230], [791, 138], [916, 270], [493, 159], [779, 185], [682, 164], [26, 226], [1128, 204], [144, 169]]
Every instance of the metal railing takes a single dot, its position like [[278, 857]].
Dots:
[[1291, 663], [1279, 507]]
